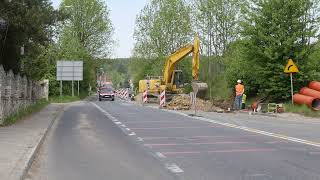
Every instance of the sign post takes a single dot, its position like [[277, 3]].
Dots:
[[291, 68], [69, 71]]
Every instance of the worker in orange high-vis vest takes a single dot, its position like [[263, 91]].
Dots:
[[239, 92]]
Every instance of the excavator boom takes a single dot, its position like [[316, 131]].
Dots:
[[171, 77], [177, 56]]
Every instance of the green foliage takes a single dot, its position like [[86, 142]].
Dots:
[[277, 30], [25, 112], [117, 71], [30, 25], [162, 27], [63, 99], [89, 21], [216, 22]]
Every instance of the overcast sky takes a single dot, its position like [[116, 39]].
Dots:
[[123, 14]]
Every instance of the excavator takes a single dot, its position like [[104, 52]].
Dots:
[[172, 79]]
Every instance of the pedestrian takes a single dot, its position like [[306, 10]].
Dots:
[[239, 92]]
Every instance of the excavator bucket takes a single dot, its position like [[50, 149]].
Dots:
[[199, 88]]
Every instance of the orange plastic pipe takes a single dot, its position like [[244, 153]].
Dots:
[[310, 92], [312, 102], [314, 85]]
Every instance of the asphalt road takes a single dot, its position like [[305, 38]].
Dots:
[[120, 140]]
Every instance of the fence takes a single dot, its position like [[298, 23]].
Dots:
[[18, 92]]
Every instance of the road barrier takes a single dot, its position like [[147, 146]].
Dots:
[[122, 93], [163, 98], [145, 96]]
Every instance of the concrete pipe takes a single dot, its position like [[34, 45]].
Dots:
[[312, 102], [315, 85], [310, 92]]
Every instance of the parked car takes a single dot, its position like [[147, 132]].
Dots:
[[106, 94]]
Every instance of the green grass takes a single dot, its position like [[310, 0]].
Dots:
[[67, 99], [301, 109], [64, 99], [25, 112]]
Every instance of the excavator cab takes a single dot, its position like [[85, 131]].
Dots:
[[178, 80]]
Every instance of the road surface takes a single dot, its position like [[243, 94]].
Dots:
[[120, 140]]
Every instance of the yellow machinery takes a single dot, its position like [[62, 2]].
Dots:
[[172, 80]]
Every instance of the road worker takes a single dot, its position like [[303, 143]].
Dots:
[[239, 92], [244, 99]]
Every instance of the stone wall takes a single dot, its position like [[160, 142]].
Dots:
[[18, 92]]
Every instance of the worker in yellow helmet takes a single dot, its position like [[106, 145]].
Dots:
[[239, 92]]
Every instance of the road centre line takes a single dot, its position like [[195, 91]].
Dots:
[[112, 118]]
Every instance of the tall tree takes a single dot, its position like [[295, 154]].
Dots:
[[162, 27], [216, 22], [30, 25], [89, 21], [278, 30]]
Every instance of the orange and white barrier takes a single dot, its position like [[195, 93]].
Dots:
[[162, 98], [145, 96]]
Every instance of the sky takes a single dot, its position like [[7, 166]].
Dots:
[[123, 15]]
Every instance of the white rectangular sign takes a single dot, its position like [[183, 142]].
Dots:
[[69, 70]]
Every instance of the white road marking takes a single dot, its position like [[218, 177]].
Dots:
[[140, 139], [275, 135], [132, 134], [123, 125], [128, 129], [279, 136], [174, 168], [118, 123], [160, 155]]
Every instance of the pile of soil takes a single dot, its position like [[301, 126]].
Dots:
[[179, 102], [223, 104], [183, 102]]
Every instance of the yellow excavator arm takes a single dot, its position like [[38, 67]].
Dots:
[[177, 56]]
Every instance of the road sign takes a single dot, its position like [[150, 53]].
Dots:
[[291, 67], [69, 70]]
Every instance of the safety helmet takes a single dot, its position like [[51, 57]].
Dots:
[[239, 81]]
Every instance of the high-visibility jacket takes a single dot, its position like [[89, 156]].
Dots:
[[239, 89], [244, 98]]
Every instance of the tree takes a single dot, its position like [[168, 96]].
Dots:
[[30, 25], [89, 21], [162, 27], [278, 30], [216, 22]]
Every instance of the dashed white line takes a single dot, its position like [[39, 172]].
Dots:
[[174, 168], [128, 129], [140, 139], [132, 134], [160, 155], [123, 125]]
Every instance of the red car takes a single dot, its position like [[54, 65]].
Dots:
[[106, 94]]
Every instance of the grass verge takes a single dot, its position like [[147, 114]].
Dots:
[[25, 112], [67, 99], [64, 99], [301, 109]]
